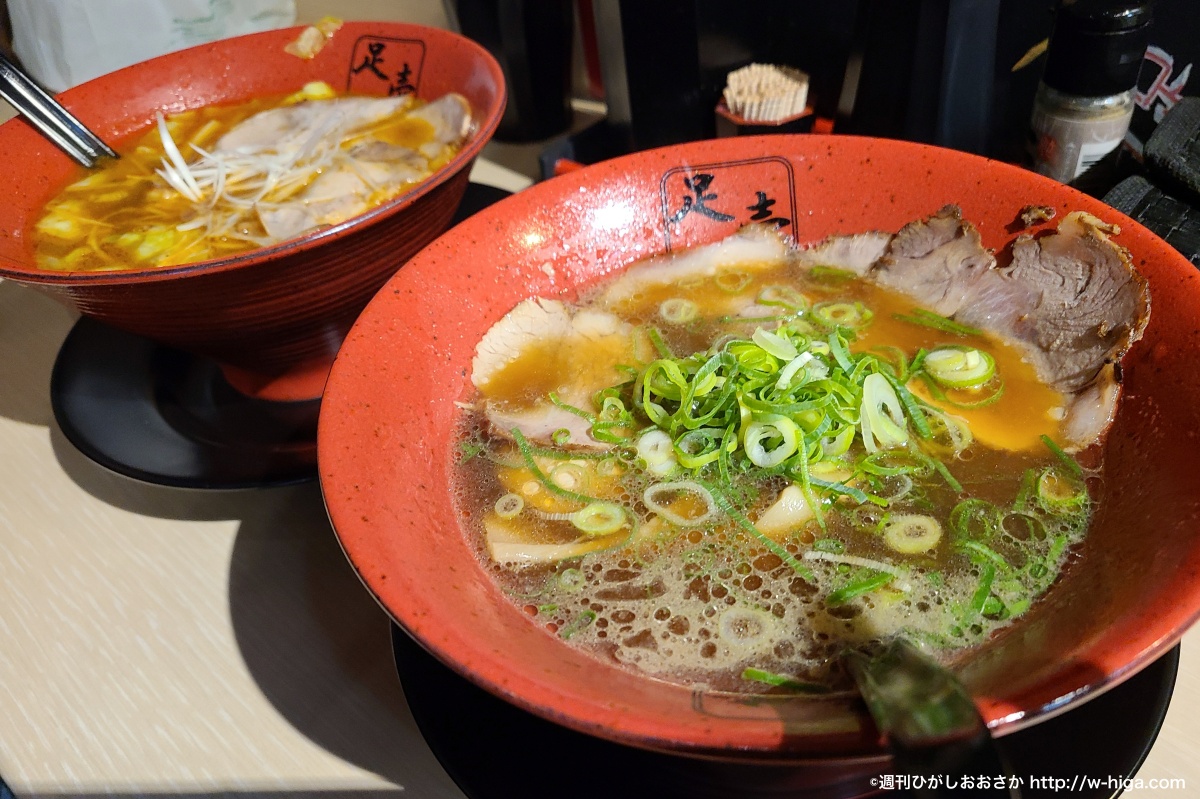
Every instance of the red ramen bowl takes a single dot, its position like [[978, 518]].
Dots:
[[274, 317], [386, 438]]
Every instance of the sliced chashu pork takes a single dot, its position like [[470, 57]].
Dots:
[[937, 261], [577, 350], [1073, 294], [338, 193], [855, 253], [1076, 299], [289, 129], [450, 116], [356, 175], [752, 247], [535, 322], [1071, 299]]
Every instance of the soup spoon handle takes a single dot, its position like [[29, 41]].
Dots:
[[934, 729]]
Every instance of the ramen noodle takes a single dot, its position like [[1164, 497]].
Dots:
[[223, 180]]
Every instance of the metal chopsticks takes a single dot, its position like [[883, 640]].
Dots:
[[51, 119]]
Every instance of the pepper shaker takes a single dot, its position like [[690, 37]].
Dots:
[[1084, 101]]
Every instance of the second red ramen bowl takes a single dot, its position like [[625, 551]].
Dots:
[[274, 317], [386, 440]]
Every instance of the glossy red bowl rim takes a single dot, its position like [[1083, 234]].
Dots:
[[413, 613], [481, 134]]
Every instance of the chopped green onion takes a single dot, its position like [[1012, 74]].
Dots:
[[1072, 465], [941, 469], [774, 548], [1033, 529], [881, 416], [745, 320], [858, 588], [540, 476], [890, 354], [994, 608], [697, 448], [897, 461], [895, 487], [911, 408], [960, 367], [975, 520], [1026, 495], [660, 346], [947, 429], [981, 552], [1060, 494], [839, 444], [775, 344], [806, 485], [925, 318], [577, 624], [785, 296], [562, 454], [855, 494], [829, 545], [912, 534], [600, 518], [780, 681], [651, 496], [980, 597], [853, 315], [656, 448], [832, 274], [776, 428], [509, 505], [470, 449], [580, 412], [572, 579], [837, 347], [935, 389], [790, 369], [569, 476], [732, 280], [678, 311]]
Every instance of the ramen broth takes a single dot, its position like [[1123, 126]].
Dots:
[[943, 539], [136, 212]]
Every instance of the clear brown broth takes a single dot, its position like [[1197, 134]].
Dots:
[[667, 604]]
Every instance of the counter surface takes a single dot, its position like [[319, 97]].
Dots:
[[156, 641]]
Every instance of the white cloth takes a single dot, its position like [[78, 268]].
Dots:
[[63, 43]]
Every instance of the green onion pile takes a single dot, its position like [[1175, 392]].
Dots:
[[793, 402]]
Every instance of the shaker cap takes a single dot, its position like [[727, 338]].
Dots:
[[1096, 47]]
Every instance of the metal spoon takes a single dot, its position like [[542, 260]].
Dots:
[[935, 732]]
